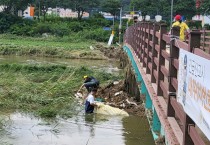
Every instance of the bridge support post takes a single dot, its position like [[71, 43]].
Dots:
[[154, 52], [194, 42], [144, 46], [161, 60], [186, 137], [174, 53], [149, 48]]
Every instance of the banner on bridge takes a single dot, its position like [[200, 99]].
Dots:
[[194, 89]]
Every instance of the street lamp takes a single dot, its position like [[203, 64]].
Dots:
[[172, 5]]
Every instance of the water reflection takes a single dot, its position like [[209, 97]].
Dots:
[[137, 131], [106, 65], [80, 130]]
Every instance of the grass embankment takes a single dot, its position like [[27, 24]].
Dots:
[[50, 46], [45, 90]]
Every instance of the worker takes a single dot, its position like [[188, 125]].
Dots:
[[183, 29], [89, 84], [89, 103], [177, 21], [180, 22]]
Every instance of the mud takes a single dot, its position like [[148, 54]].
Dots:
[[123, 94], [109, 52], [115, 95]]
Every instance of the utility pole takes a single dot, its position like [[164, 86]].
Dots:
[[133, 14], [39, 9], [120, 25]]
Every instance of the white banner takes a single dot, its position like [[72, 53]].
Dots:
[[194, 89]]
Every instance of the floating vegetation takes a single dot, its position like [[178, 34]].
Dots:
[[45, 90]]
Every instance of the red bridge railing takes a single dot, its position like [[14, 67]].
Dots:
[[158, 54], [205, 40]]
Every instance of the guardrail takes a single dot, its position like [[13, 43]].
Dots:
[[205, 40], [157, 55]]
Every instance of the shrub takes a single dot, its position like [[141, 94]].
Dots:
[[194, 24], [6, 20], [42, 28], [91, 28], [96, 34], [75, 26], [207, 26]]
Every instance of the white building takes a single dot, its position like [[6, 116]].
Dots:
[[65, 13], [204, 19], [1, 8]]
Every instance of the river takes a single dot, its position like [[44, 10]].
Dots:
[[25, 129]]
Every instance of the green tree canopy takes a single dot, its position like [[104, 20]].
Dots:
[[163, 7], [79, 5], [185, 7], [204, 8], [44, 5], [12, 6], [111, 6]]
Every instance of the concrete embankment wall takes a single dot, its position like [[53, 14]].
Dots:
[[135, 87]]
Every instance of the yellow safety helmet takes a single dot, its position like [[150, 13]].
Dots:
[[85, 77]]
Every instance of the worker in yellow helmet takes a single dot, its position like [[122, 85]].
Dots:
[[180, 22], [89, 83]]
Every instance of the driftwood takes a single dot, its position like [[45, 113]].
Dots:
[[131, 103]]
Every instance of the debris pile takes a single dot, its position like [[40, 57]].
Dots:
[[114, 95], [110, 52]]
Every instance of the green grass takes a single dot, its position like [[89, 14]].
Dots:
[[45, 90], [62, 47], [51, 41]]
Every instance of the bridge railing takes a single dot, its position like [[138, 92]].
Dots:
[[205, 40], [158, 54]]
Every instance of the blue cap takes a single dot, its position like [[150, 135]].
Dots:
[[183, 18]]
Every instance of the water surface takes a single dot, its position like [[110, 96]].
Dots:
[[23, 129], [109, 66]]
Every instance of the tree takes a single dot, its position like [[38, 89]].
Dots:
[[79, 5], [186, 8], [147, 7], [204, 9], [44, 5], [12, 6], [111, 6], [163, 7], [125, 4]]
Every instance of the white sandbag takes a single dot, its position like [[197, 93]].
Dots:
[[108, 110]]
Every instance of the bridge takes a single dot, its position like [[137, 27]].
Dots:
[[157, 58]]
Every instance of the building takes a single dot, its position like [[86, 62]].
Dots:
[[1, 8], [204, 19], [65, 13]]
